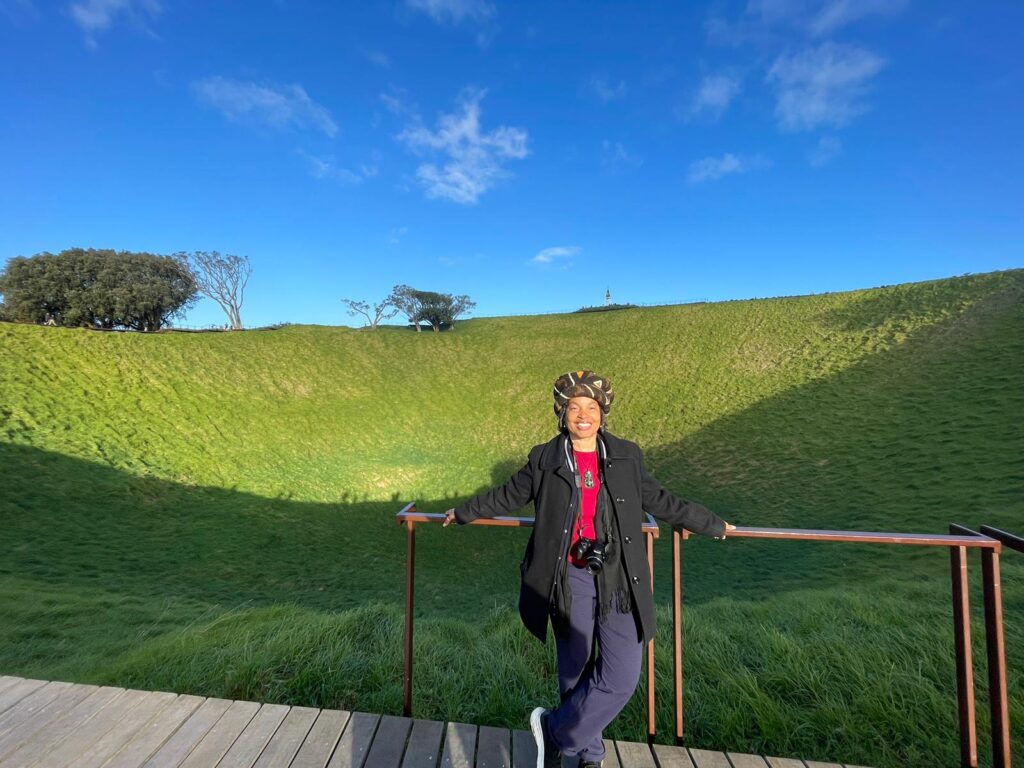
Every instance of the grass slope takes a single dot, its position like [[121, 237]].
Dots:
[[214, 512]]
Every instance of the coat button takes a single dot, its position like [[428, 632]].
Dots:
[[619, 499], [636, 580], [628, 540]]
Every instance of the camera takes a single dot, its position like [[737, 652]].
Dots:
[[592, 552]]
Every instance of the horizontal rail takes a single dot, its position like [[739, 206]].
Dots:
[[650, 526], [1011, 540], [864, 537]]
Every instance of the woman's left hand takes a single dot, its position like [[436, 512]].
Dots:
[[728, 527]]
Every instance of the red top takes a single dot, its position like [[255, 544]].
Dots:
[[586, 461]]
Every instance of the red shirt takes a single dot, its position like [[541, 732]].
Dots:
[[586, 461]]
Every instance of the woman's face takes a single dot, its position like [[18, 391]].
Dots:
[[582, 417]]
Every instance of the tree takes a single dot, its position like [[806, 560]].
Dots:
[[221, 278], [98, 288], [438, 309], [380, 311]]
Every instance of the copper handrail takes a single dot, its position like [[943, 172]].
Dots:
[[958, 541], [408, 516]]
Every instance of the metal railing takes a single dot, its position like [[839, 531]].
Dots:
[[959, 541], [989, 541], [409, 517]]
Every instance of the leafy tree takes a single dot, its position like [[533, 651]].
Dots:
[[438, 309], [380, 311], [221, 278], [97, 288]]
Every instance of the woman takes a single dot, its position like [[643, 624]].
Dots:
[[586, 565]]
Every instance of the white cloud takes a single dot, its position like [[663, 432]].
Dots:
[[822, 86], [474, 158], [605, 90], [289, 106], [396, 234], [325, 167], [392, 103], [713, 97], [825, 151], [713, 168], [615, 156], [96, 16], [766, 20], [454, 11], [379, 58], [557, 256]]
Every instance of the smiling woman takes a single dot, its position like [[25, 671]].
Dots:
[[585, 566]]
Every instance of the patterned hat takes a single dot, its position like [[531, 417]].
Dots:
[[582, 384]]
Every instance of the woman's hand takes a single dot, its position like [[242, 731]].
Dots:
[[728, 527], [449, 518]]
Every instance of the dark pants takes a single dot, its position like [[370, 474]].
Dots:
[[594, 691]]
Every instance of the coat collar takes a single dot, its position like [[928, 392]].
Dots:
[[552, 457]]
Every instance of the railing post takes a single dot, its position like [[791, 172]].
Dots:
[[998, 704], [650, 651], [964, 665], [677, 631], [410, 571]]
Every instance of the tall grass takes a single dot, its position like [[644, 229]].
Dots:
[[214, 512]]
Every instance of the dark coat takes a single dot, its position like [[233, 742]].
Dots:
[[546, 481]]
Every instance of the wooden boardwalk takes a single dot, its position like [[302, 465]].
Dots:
[[53, 724]]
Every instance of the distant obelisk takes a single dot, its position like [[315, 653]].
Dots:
[[608, 297]]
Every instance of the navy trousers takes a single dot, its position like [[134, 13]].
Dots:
[[593, 691]]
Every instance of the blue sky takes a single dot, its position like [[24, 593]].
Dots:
[[528, 154]]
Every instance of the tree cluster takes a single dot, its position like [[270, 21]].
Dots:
[[97, 288], [438, 310]]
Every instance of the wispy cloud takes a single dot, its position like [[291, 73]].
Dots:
[[326, 167], [97, 16], [615, 156], [605, 89], [379, 58], [822, 86], [765, 20], [474, 158], [396, 234], [825, 151], [454, 11], [714, 96], [713, 168], [284, 107], [557, 257]]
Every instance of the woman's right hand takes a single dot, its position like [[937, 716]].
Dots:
[[449, 518]]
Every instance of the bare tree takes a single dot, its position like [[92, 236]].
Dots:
[[380, 311], [221, 278]]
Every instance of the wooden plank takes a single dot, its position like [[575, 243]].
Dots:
[[51, 736], [493, 748], [21, 731], [181, 742], [247, 748], [355, 741], [17, 692], [424, 749], [611, 756], [93, 729], [524, 750], [218, 740], [671, 757], [287, 739], [459, 746], [633, 754], [389, 742], [6, 681], [704, 758], [743, 760], [123, 729], [155, 732], [320, 742], [816, 764], [785, 762], [33, 705]]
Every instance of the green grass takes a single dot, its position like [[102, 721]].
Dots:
[[214, 512]]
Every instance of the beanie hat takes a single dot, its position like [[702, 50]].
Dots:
[[582, 384]]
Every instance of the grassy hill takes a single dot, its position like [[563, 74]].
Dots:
[[214, 512]]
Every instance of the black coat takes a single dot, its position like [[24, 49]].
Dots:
[[546, 481]]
